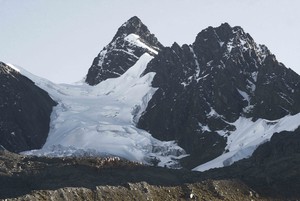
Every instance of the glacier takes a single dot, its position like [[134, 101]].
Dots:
[[100, 120]]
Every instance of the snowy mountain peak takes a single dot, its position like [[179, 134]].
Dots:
[[131, 41], [133, 21], [135, 26], [205, 87]]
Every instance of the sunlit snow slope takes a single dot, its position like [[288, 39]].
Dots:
[[100, 120], [248, 135]]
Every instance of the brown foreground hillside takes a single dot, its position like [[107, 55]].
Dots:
[[35, 178]]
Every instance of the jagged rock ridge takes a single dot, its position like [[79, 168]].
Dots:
[[25, 111], [131, 41], [222, 76]]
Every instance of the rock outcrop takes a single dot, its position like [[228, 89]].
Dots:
[[25, 111]]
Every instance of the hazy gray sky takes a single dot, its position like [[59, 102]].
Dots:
[[58, 39]]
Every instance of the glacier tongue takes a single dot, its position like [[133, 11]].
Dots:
[[99, 120]]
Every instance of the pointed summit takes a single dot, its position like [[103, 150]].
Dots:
[[131, 41], [135, 26]]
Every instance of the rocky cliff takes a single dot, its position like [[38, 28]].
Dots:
[[25, 111], [206, 86]]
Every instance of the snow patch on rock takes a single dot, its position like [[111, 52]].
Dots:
[[135, 40], [248, 135]]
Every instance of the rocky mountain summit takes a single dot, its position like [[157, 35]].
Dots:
[[206, 86], [25, 111], [131, 41]]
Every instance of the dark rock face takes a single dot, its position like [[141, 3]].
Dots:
[[131, 41], [223, 75], [24, 112], [273, 169]]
